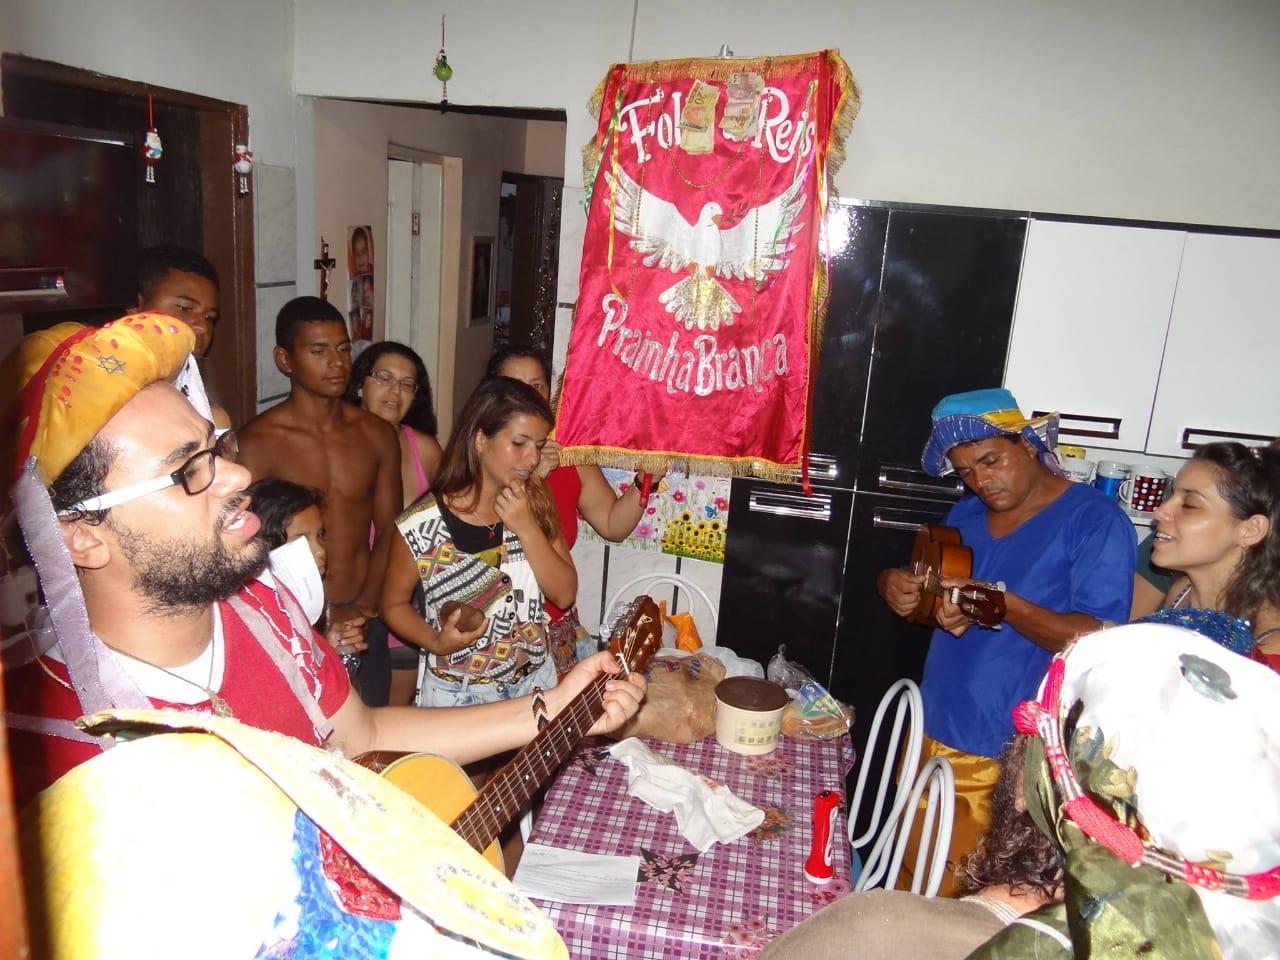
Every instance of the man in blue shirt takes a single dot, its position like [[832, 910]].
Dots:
[[1065, 553]]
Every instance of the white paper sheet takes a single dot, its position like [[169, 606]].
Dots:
[[570, 876]]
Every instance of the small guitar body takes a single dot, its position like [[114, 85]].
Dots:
[[480, 816], [437, 783], [939, 553]]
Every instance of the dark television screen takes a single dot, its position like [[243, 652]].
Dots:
[[68, 218]]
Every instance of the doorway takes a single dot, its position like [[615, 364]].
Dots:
[[415, 196], [528, 260], [196, 201]]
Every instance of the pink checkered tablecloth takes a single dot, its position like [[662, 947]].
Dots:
[[725, 903]]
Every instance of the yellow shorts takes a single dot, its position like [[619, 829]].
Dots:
[[975, 780]]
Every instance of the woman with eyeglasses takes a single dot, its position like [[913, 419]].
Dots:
[[390, 381]]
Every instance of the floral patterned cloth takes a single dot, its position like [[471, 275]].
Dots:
[[686, 516]]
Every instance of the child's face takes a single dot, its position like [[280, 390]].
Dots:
[[309, 523]]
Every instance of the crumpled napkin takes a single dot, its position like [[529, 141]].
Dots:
[[705, 814]]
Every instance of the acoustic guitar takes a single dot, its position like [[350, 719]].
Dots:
[[445, 789], [939, 553]]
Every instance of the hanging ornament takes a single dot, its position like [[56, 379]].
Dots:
[[243, 165], [152, 148], [443, 72]]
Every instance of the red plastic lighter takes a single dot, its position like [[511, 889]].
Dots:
[[817, 869]]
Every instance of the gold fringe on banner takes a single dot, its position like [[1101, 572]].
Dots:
[[717, 68], [658, 462]]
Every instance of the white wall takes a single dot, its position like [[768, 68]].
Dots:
[[1154, 109], [544, 149]]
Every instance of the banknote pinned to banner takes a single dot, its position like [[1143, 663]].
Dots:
[[702, 290]]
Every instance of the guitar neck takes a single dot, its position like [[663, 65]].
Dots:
[[501, 799]]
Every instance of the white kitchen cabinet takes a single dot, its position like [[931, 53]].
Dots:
[[1089, 326], [1220, 379]]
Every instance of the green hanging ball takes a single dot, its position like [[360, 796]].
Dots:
[[443, 72]]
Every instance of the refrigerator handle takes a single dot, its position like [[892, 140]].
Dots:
[[878, 520], [935, 486], [816, 507]]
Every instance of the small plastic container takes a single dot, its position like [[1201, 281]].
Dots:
[[749, 714]]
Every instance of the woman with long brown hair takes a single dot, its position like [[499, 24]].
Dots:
[[1221, 528], [578, 489], [486, 547]]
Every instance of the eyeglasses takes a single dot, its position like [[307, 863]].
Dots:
[[388, 379], [195, 476]]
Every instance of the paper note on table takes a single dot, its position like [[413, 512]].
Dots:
[[570, 876]]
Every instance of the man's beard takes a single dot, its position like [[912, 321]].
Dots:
[[175, 576]]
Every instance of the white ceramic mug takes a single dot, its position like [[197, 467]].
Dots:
[[1078, 469], [1145, 488]]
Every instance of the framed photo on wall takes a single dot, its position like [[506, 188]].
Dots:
[[361, 308], [482, 255]]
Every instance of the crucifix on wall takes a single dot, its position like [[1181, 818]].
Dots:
[[324, 264]]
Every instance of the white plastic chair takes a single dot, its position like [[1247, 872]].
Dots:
[[900, 764], [935, 837], [651, 580]]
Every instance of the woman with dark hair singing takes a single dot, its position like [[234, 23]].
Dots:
[[486, 546], [1221, 527]]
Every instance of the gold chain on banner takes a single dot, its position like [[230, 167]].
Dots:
[[671, 154], [724, 172], [613, 193]]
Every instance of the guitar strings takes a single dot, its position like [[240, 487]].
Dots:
[[510, 786]]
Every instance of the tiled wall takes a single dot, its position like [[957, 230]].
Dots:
[[275, 270], [603, 570]]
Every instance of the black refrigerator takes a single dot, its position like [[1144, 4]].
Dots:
[[921, 306]]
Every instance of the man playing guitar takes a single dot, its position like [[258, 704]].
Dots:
[[1066, 555]]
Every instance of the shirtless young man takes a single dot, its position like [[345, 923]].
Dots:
[[316, 439]]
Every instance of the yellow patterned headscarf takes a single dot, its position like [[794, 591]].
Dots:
[[75, 378]]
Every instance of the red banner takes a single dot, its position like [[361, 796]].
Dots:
[[702, 291]]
